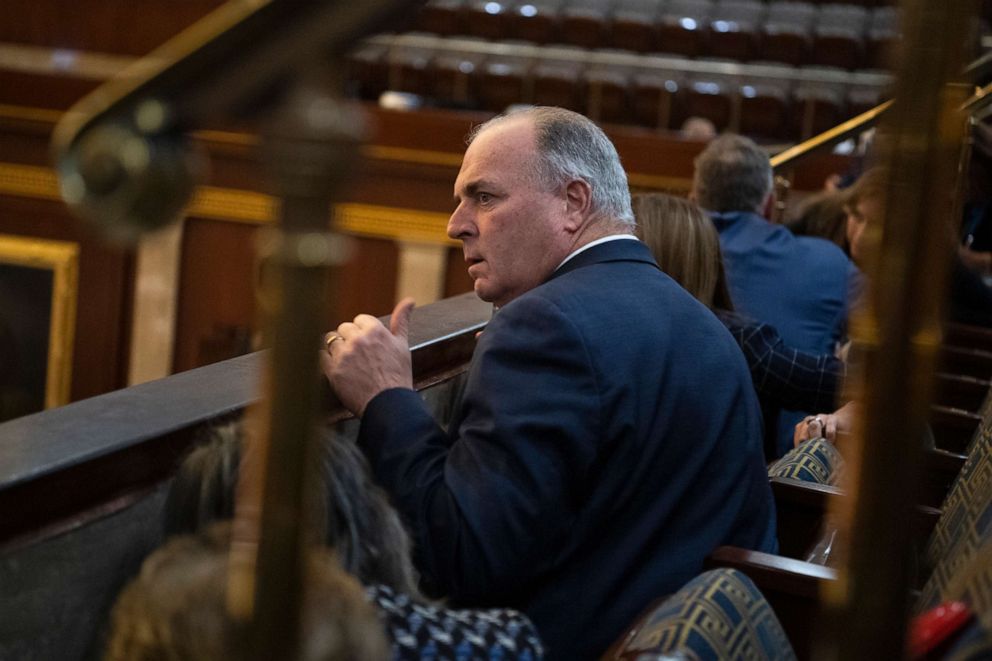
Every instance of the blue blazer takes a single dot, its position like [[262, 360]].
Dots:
[[608, 439], [801, 285]]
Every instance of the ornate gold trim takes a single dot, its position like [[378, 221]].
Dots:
[[28, 181], [659, 183], [40, 115], [392, 223], [360, 219], [62, 258], [233, 205]]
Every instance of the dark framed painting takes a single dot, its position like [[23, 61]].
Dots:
[[38, 291]]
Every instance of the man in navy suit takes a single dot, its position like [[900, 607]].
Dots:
[[609, 436]]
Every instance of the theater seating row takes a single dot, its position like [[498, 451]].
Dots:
[[763, 605], [769, 101], [849, 36], [954, 559]]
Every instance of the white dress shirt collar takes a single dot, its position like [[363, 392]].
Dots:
[[612, 237]]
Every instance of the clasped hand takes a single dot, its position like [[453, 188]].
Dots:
[[369, 358], [826, 425]]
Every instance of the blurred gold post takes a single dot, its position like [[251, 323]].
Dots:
[[898, 334], [310, 146]]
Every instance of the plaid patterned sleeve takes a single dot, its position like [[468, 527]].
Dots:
[[422, 631], [788, 377]]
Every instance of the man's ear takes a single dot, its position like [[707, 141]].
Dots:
[[578, 203], [768, 206]]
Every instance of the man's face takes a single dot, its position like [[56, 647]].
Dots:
[[513, 232], [868, 210]]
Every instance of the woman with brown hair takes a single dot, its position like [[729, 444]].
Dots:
[[687, 248], [824, 215]]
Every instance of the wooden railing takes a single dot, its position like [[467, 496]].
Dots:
[[793, 156], [977, 106], [62, 467], [82, 487]]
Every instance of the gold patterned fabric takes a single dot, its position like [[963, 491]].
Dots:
[[973, 585], [816, 460], [983, 434], [966, 520], [718, 615]]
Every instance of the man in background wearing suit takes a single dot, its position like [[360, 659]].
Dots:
[[800, 285], [609, 436]]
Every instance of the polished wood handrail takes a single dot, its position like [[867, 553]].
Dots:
[[791, 157]]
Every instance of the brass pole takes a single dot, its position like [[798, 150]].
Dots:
[[311, 146], [898, 333]]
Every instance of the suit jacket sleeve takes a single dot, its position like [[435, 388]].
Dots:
[[795, 379], [490, 504]]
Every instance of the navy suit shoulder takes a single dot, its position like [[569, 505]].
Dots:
[[608, 439]]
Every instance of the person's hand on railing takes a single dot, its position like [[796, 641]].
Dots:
[[363, 358]]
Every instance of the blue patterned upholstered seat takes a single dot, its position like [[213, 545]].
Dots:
[[718, 615], [816, 460], [965, 523], [972, 584]]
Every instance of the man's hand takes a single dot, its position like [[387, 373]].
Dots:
[[364, 358]]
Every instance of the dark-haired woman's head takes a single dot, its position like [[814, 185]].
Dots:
[[361, 525], [823, 215]]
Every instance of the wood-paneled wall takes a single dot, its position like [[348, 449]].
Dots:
[[104, 294], [131, 27]]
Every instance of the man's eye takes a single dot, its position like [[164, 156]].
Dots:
[[484, 198]]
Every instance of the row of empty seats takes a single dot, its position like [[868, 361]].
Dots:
[[771, 101], [849, 36]]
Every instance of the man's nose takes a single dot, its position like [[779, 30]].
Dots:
[[460, 223]]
